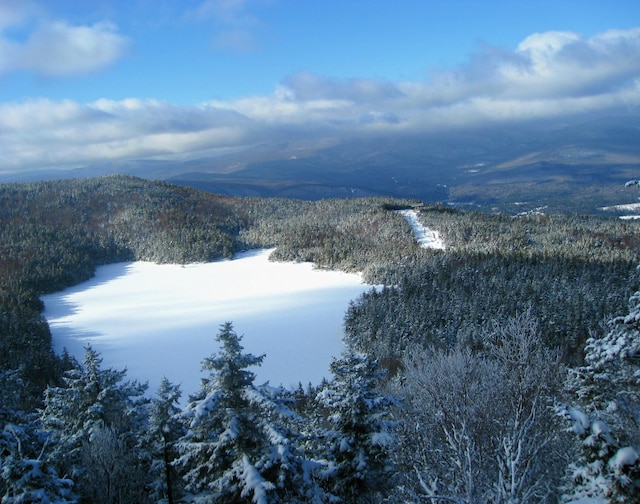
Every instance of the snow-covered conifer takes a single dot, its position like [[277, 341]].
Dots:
[[95, 422], [25, 475], [361, 432], [607, 420], [238, 448], [166, 427]]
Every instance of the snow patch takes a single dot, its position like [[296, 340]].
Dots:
[[581, 421], [626, 456], [631, 207]]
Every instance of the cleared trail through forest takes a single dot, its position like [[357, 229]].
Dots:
[[426, 238]]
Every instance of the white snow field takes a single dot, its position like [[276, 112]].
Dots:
[[630, 207], [161, 320], [426, 238]]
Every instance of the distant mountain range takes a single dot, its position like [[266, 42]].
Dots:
[[578, 166]]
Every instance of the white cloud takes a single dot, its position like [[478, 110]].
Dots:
[[58, 49], [548, 76], [55, 48], [565, 63], [45, 133]]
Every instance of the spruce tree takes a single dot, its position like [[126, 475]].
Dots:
[[95, 422], [238, 447], [361, 431], [25, 474], [166, 427], [607, 420]]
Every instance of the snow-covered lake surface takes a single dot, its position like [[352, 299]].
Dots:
[[161, 320], [426, 238]]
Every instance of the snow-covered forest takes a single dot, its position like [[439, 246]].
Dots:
[[503, 368]]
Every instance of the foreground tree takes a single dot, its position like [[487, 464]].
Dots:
[[25, 474], [529, 446], [477, 425], [95, 424], [166, 427], [607, 420], [361, 431], [238, 447]]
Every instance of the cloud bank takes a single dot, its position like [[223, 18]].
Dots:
[[548, 76]]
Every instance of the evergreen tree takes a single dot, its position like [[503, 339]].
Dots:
[[361, 432], [238, 447], [608, 419], [95, 422], [166, 427], [25, 476]]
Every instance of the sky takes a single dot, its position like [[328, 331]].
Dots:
[[115, 80]]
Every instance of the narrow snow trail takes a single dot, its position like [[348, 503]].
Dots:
[[426, 238]]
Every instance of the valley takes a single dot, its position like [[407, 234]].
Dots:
[[271, 252], [509, 308], [575, 166]]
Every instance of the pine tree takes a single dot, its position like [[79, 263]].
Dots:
[[608, 419], [238, 447], [25, 475], [166, 427], [95, 422], [361, 432]]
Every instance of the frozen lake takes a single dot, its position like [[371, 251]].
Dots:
[[161, 320]]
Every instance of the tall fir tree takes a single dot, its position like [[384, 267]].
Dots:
[[361, 430], [95, 422], [238, 447], [25, 474], [166, 427], [607, 420]]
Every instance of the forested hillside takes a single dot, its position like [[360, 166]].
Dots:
[[571, 273], [54, 234], [499, 315]]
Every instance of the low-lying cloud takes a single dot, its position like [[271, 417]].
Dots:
[[549, 75]]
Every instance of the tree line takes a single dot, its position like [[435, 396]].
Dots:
[[99, 439]]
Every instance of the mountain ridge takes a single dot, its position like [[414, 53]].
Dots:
[[576, 166]]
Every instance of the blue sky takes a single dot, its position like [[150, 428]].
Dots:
[[83, 82]]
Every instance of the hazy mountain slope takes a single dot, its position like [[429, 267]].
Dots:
[[573, 167]]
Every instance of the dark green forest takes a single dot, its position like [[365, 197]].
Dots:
[[541, 288]]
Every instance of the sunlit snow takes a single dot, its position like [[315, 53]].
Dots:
[[426, 238], [161, 320], [630, 207]]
